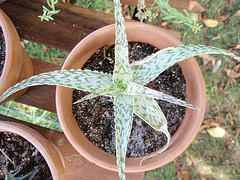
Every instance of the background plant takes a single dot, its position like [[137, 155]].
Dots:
[[47, 13], [169, 14]]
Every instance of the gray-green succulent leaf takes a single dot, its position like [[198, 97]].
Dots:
[[110, 91], [85, 80], [149, 68], [136, 89], [163, 129], [122, 71], [123, 112], [148, 110], [9, 176], [29, 176]]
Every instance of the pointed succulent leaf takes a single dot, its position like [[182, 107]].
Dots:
[[123, 111], [122, 71], [29, 176], [163, 129], [109, 91], [9, 176], [149, 111], [83, 80], [150, 67], [136, 89]]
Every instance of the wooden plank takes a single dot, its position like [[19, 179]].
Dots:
[[71, 25], [42, 97], [76, 166], [67, 29], [42, 66]]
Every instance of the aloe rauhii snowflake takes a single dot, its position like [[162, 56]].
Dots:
[[126, 85]]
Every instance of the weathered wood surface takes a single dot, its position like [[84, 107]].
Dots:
[[71, 25], [42, 97]]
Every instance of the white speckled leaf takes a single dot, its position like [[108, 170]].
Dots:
[[136, 89], [83, 80], [149, 111], [150, 67], [122, 71], [109, 91], [8, 176], [163, 129], [123, 111]]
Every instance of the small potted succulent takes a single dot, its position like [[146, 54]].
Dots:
[[50, 153], [15, 62], [126, 85]]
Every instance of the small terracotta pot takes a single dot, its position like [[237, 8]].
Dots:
[[49, 151], [18, 65], [137, 32]]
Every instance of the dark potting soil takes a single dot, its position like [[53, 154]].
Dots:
[[95, 117], [24, 155], [2, 50]]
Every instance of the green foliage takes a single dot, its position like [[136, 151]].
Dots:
[[10, 176], [45, 53], [228, 30], [98, 5], [30, 114], [167, 172], [169, 14], [47, 14]]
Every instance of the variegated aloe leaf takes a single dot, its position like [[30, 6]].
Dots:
[[136, 89], [123, 112], [111, 91], [164, 148], [149, 68], [122, 71], [83, 80], [149, 111]]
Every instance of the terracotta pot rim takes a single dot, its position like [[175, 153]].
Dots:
[[17, 65], [176, 147], [9, 33], [49, 151]]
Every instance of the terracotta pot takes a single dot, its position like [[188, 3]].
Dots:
[[18, 65], [137, 32], [49, 151]]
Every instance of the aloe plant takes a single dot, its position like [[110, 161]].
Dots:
[[126, 85], [10, 176]]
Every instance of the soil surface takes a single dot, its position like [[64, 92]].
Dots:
[[2, 51], [24, 156], [96, 116]]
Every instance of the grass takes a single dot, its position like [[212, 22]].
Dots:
[[31, 114], [207, 157], [166, 172], [45, 53], [216, 158]]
